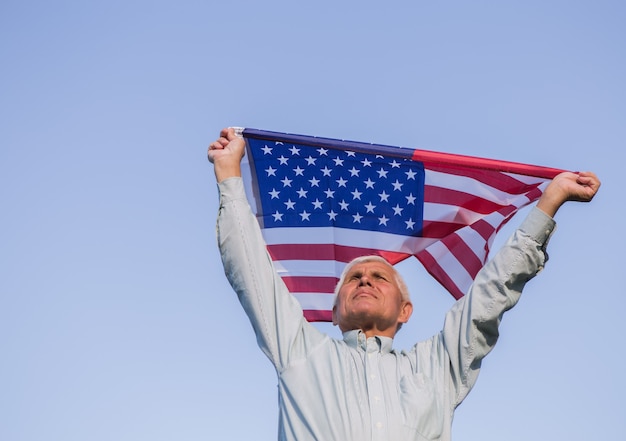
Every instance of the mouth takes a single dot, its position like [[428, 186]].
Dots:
[[363, 293]]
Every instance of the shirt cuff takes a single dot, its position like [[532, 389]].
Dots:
[[231, 189], [539, 226]]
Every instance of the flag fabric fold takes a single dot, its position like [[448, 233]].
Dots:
[[322, 202]]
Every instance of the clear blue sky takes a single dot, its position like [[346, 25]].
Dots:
[[116, 322]]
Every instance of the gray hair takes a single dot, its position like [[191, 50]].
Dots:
[[404, 291]]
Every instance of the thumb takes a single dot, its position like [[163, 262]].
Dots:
[[234, 133]]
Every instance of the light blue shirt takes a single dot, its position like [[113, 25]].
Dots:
[[362, 389]]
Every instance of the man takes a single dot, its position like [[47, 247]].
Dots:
[[360, 388]]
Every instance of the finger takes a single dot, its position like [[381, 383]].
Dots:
[[216, 145], [589, 180], [223, 141], [228, 133], [232, 134]]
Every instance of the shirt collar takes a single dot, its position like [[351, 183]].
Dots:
[[356, 339]]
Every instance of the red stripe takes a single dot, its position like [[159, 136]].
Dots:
[[438, 195], [439, 230], [447, 162], [323, 251], [314, 315], [464, 254], [311, 284], [534, 194], [484, 228], [501, 181], [439, 274]]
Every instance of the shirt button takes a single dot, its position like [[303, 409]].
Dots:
[[379, 425]]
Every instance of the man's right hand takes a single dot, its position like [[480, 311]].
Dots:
[[568, 186], [226, 153]]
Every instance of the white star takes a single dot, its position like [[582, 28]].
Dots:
[[369, 183], [283, 160], [304, 215], [395, 164], [397, 210], [350, 154], [332, 215], [298, 171], [411, 174], [330, 193], [314, 182], [277, 216], [397, 185], [356, 194], [370, 207], [286, 182], [294, 151], [317, 204], [271, 171], [338, 161], [290, 204], [354, 172], [383, 220], [366, 163], [274, 194], [322, 151], [409, 224], [310, 160], [343, 205], [267, 150], [410, 199], [302, 192], [357, 218], [326, 171], [382, 173], [383, 196], [342, 182]]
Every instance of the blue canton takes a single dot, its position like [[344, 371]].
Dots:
[[308, 186]]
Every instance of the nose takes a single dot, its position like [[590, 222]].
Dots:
[[364, 281]]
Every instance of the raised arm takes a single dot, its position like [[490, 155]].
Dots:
[[226, 153], [567, 186], [276, 316], [471, 328]]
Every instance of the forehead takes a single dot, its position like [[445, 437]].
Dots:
[[371, 266]]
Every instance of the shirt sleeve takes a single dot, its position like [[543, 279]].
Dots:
[[471, 326], [282, 332]]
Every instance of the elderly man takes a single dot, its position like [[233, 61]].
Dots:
[[360, 388]]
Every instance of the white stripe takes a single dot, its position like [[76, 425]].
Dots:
[[346, 237], [452, 213], [472, 186], [473, 240], [315, 301], [246, 176], [435, 212], [451, 266], [309, 268], [528, 179]]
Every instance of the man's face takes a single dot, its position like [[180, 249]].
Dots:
[[370, 299]]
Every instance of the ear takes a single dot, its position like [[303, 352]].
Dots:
[[406, 310], [335, 315]]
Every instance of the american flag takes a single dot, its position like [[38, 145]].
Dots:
[[322, 202]]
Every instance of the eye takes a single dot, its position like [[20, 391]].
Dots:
[[354, 276], [380, 276]]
